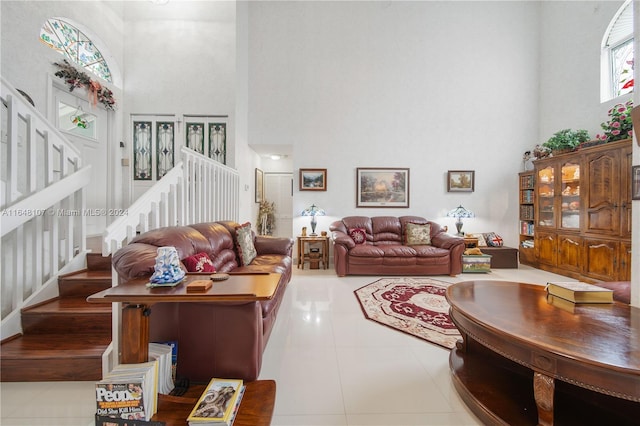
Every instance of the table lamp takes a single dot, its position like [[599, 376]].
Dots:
[[460, 212], [313, 211]]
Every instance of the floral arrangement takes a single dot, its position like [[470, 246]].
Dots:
[[75, 78], [619, 125], [266, 218]]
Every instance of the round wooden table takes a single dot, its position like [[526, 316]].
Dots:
[[525, 359]]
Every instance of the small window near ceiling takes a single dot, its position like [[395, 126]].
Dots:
[[617, 54], [73, 44]]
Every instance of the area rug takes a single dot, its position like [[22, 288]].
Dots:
[[415, 306]]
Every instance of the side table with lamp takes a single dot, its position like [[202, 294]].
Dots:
[[315, 256]]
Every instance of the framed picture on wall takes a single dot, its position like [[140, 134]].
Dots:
[[635, 183], [382, 187], [461, 180], [259, 185], [313, 179]]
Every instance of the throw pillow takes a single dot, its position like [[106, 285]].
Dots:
[[493, 239], [417, 234], [480, 237], [358, 235], [244, 243], [199, 262]]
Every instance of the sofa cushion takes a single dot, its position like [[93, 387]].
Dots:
[[358, 235], [417, 234], [244, 242], [199, 262]]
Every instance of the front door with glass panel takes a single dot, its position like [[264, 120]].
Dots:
[[86, 126]]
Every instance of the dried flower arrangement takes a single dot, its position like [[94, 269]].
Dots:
[[75, 78]]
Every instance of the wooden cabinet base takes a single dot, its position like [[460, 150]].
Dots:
[[256, 408]]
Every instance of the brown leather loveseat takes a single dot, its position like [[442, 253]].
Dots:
[[387, 250], [221, 339]]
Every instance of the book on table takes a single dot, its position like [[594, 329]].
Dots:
[[218, 404], [580, 292]]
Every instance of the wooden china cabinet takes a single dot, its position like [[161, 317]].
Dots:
[[583, 213]]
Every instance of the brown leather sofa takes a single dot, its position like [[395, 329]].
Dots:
[[384, 252], [222, 339]]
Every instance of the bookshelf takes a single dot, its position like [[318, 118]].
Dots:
[[526, 187]]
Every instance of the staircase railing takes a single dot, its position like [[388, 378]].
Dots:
[[197, 189], [42, 199]]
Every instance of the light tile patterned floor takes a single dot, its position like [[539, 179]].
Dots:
[[331, 365]]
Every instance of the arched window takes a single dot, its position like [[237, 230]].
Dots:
[[617, 54], [75, 46]]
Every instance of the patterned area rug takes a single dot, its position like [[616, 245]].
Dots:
[[416, 306]]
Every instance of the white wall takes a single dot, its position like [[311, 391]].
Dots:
[[432, 86], [571, 34]]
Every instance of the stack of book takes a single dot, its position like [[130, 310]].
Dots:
[[218, 404], [129, 391], [164, 355], [580, 292]]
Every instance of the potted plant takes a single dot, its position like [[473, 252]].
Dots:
[[619, 125], [566, 140]]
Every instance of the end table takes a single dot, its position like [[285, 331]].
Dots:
[[304, 255]]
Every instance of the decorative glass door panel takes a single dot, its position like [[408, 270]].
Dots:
[[195, 137], [164, 147], [570, 195], [218, 142], [546, 193], [142, 166]]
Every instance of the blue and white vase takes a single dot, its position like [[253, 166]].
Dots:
[[167, 268]]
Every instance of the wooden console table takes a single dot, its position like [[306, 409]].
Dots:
[[256, 407], [524, 360], [137, 298]]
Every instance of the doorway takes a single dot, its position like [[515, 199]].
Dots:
[[278, 189], [87, 128]]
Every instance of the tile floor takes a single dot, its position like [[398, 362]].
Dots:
[[331, 365]]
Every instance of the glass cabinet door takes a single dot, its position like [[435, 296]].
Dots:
[[570, 195], [546, 183]]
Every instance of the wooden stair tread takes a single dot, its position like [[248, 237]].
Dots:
[[45, 346], [88, 274], [68, 305]]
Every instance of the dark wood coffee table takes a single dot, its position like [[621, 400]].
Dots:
[[256, 408], [524, 360]]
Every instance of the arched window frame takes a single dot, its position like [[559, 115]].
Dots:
[[73, 43], [618, 55]]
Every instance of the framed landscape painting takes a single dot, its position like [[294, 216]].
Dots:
[[313, 179], [382, 187], [460, 180]]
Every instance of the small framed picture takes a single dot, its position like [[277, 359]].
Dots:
[[635, 183], [461, 180], [313, 179], [382, 187], [259, 185]]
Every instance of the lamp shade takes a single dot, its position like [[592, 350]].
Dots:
[[313, 211], [460, 212]]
